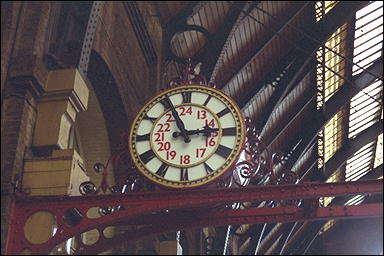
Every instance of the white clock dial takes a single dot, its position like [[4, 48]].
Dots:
[[166, 142], [187, 136]]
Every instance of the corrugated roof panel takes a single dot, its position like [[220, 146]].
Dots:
[[256, 105], [262, 17], [289, 104], [168, 9]]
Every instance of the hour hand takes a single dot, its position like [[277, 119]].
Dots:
[[179, 122], [206, 131]]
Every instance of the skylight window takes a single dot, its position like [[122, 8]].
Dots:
[[368, 43], [365, 107]]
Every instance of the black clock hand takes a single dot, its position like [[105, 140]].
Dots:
[[179, 122], [206, 131]]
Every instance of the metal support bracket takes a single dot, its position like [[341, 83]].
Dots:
[[160, 212]]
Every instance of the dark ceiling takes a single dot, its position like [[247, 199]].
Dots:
[[294, 68]]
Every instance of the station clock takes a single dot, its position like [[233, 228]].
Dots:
[[187, 136]]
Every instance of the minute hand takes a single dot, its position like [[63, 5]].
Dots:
[[206, 131], [179, 122]]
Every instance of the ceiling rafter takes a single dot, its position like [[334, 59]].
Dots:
[[222, 38], [190, 9], [352, 146], [285, 227], [274, 72], [283, 92], [361, 81], [294, 12], [280, 91], [304, 63], [311, 229], [293, 116], [271, 237], [256, 231], [341, 98], [178, 23], [283, 240]]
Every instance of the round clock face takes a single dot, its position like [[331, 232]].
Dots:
[[187, 136]]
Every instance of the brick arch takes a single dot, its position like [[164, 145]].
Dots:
[[110, 101]]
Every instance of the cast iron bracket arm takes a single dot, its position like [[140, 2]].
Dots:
[[149, 203]]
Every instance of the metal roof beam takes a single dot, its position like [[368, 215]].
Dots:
[[285, 237], [311, 229], [371, 175], [349, 90], [279, 93], [304, 104], [190, 9], [319, 34], [340, 98], [273, 34], [273, 72], [352, 146], [334, 104], [222, 38], [287, 228], [304, 63], [178, 23]]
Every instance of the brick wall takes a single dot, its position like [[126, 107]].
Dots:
[[10, 11], [22, 73], [18, 114], [118, 45], [23, 39]]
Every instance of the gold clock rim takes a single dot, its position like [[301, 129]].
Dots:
[[187, 185]]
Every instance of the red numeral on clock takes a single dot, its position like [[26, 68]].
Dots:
[[164, 146], [200, 152], [185, 159], [170, 118], [201, 114], [171, 155], [210, 123], [210, 141], [164, 127], [185, 111], [159, 136]]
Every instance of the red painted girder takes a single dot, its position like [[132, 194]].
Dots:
[[166, 223], [197, 198], [146, 203]]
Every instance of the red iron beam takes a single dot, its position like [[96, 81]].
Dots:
[[145, 204], [173, 222]]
